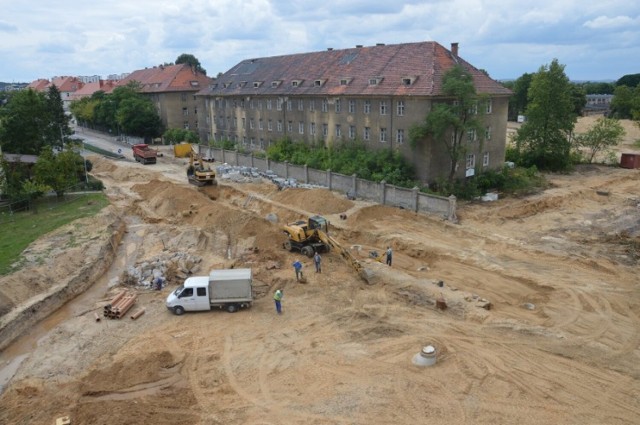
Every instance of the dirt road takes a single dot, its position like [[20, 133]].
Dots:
[[560, 344]]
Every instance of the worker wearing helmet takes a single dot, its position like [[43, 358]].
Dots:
[[277, 297]]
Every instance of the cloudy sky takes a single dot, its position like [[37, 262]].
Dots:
[[594, 39]]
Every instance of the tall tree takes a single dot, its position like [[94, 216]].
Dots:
[[24, 122], [138, 116], [58, 130], [626, 102], [456, 122], [519, 99], [629, 80], [191, 60], [544, 140], [58, 171]]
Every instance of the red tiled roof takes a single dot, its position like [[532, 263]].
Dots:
[[39, 85], [423, 63], [67, 84], [89, 89], [168, 78]]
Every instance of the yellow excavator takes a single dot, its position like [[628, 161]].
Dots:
[[312, 236], [198, 173]]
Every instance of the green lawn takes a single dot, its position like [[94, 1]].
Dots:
[[19, 230]]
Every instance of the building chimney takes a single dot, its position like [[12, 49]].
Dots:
[[454, 49]]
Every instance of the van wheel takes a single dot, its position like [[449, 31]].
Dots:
[[232, 308], [178, 310]]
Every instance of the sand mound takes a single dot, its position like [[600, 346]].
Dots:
[[316, 201]]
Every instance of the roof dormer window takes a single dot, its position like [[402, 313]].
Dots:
[[257, 84], [319, 83], [375, 81], [345, 81], [407, 81], [296, 83], [276, 83]]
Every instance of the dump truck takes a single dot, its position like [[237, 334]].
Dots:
[[229, 289], [144, 154]]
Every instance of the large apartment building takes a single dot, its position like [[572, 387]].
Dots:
[[370, 94], [172, 89]]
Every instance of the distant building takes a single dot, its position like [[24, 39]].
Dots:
[[597, 104], [172, 88], [66, 85], [371, 94], [88, 89]]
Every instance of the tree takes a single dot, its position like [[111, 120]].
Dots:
[[629, 80], [605, 132], [578, 98], [519, 99], [57, 129], [138, 116], [450, 123], [191, 60], [179, 135], [544, 139], [58, 171], [626, 102], [23, 123]]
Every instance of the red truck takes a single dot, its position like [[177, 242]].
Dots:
[[144, 154]]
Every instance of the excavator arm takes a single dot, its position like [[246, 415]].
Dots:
[[345, 254]]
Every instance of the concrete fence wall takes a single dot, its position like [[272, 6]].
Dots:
[[383, 193]]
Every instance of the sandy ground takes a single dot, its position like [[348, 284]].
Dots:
[[560, 344]]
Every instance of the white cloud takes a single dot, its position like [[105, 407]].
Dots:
[[615, 22]]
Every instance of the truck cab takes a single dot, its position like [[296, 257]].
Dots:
[[193, 295]]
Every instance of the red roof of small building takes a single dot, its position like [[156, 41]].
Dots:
[[409, 69], [89, 89], [39, 84], [168, 78]]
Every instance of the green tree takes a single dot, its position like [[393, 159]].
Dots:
[[598, 87], [58, 171], [606, 132], [12, 175], [191, 60], [578, 98], [179, 135], [450, 123], [32, 191], [544, 139], [138, 116], [57, 130], [629, 80], [23, 123], [519, 99], [626, 102]]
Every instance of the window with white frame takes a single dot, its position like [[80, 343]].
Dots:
[[383, 107], [325, 105], [185, 111], [325, 130], [252, 104], [473, 110], [400, 136], [289, 105], [352, 106], [367, 133], [352, 132], [312, 105], [278, 104], [260, 124], [367, 106], [489, 106], [383, 134], [471, 135], [251, 125], [244, 123], [312, 128], [338, 130], [260, 105], [300, 105], [270, 125], [338, 106], [400, 108], [487, 133], [280, 126], [185, 125], [471, 161], [485, 159], [301, 127], [269, 104], [290, 126]]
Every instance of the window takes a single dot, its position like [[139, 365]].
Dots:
[[186, 292], [279, 104], [471, 161], [400, 108], [244, 141], [301, 127], [325, 130], [312, 128], [488, 106], [183, 97], [201, 292], [473, 110], [235, 123], [338, 131], [367, 106], [383, 107], [471, 135], [251, 104], [352, 132], [185, 111], [487, 133], [195, 110], [383, 135], [338, 106], [295, 83], [288, 105], [270, 125], [257, 84], [269, 104], [280, 126], [300, 105], [319, 83], [325, 105], [312, 105], [290, 126], [485, 159], [244, 123], [367, 133], [400, 136], [185, 125], [260, 124], [352, 106], [251, 125]]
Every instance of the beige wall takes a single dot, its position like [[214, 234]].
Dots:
[[430, 160], [179, 108]]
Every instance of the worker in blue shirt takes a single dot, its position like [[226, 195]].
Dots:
[[297, 266]]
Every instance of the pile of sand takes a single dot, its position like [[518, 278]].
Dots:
[[313, 200]]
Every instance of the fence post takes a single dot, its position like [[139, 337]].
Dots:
[[268, 164], [329, 178], [306, 174], [415, 198], [252, 159], [452, 209], [383, 194], [286, 169], [354, 182]]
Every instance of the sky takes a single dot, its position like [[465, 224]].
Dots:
[[594, 39]]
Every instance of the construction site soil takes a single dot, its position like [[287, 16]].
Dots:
[[559, 344]]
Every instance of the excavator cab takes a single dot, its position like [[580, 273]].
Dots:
[[318, 223]]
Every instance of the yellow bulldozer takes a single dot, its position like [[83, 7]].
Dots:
[[198, 173], [312, 236]]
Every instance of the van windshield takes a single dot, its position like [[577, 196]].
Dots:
[[178, 290]]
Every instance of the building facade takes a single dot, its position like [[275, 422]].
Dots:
[[369, 94], [172, 89]]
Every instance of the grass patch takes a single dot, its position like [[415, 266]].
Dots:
[[23, 228]]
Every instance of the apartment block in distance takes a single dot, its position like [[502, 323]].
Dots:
[[369, 94]]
